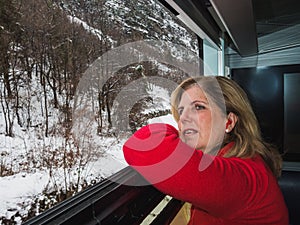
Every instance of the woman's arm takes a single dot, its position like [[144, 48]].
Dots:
[[225, 186]]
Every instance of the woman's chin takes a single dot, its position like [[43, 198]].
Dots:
[[191, 143]]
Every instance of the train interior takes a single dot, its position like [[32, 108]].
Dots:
[[257, 44]]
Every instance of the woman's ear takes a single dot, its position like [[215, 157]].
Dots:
[[231, 121]]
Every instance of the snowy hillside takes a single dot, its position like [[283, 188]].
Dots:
[[52, 146]]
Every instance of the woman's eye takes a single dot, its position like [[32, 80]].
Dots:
[[180, 111], [199, 107]]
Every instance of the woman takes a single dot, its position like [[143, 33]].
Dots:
[[216, 160]]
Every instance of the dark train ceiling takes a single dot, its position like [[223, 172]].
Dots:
[[249, 27]]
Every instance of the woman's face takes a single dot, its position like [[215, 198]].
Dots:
[[197, 116]]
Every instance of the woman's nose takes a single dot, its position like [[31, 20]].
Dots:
[[186, 115]]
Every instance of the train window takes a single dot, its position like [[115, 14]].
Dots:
[[291, 114], [47, 47], [74, 82], [211, 59], [274, 94]]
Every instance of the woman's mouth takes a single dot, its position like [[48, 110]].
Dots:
[[188, 132]]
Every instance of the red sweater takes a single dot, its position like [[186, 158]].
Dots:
[[229, 191]]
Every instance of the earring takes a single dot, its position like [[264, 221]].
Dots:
[[227, 131]]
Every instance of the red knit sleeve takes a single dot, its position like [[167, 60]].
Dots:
[[224, 187]]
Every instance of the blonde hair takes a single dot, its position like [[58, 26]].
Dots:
[[246, 134]]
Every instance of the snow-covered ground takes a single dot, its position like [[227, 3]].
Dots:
[[23, 187]]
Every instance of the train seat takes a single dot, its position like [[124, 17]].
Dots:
[[290, 186]]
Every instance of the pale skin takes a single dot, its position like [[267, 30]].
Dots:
[[196, 117]]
